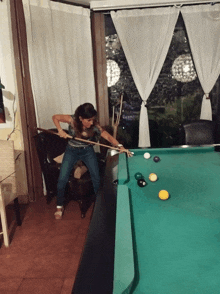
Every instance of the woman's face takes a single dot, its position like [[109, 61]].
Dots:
[[87, 122]]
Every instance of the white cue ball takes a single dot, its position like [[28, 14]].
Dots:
[[146, 155]]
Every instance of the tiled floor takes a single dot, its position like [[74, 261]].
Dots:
[[44, 253]]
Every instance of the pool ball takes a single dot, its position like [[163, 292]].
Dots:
[[141, 183], [153, 177], [156, 158], [163, 195], [146, 155], [115, 182], [138, 176]]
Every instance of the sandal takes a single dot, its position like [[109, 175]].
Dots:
[[58, 214]]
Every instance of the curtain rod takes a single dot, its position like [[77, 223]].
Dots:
[[112, 5]]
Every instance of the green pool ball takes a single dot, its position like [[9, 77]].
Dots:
[[138, 176]]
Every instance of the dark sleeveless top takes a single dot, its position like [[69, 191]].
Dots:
[[92, 134]]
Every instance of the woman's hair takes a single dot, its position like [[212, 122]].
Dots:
[[85, 110]]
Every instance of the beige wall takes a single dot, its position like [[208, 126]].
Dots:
[[12, 128]]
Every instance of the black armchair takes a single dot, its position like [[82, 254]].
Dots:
[[199, 132], [49, 146]]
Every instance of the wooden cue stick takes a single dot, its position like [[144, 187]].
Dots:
[[119, 114], [79, 139], [95, 143], [203, 145], [113, 116]]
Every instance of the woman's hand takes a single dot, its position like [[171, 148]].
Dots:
[[115, 143], [122, 149], [63, 134]]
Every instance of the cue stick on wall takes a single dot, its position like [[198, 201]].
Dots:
[[87, 141]]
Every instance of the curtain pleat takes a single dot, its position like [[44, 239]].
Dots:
[[203, 29], [60, 58], [145, 36]]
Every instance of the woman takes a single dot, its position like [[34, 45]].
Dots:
[[82, 124]]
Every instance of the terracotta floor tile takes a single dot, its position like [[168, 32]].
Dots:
[[79, 244], [39, 218], [9, 285], [41, 206], [63, 227], [67, 286], [44, 253], [37, 225], [73, 265], [26, 244], [3, 250], [14, 265], [58, 244], [83, 230], [49, 266], [72, 211], [38, 286]]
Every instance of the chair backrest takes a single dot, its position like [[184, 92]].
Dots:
[[200, 132], [7, 171], [48, 147]]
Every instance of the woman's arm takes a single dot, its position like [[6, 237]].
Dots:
[[112, 140], [65, 118]]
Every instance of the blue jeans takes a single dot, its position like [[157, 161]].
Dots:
[[71, 156]]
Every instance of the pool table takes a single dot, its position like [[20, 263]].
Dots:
[[168, 246], [137, 243]]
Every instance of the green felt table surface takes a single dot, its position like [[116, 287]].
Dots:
[[172, 246]]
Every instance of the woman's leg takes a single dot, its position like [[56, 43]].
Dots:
[[90, 160], [69, 160]]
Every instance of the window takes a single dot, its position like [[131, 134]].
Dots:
[[175, 99]]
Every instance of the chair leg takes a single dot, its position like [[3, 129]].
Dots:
[[17, 211], [4, 223]]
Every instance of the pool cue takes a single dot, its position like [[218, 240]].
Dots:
[[202, 145], [214, 145], [87, 141]]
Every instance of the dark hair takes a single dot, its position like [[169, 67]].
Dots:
[[85, 110]]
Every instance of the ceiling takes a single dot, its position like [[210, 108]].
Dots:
[[80, 2], [110, 4]]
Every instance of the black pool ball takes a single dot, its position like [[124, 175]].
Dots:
[[115, 182], [156, 158], [141, 183], [138, 176]]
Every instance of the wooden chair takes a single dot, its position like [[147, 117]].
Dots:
[[7, 186]]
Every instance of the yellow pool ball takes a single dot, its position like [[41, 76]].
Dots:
[[153, 177], [163, 195]]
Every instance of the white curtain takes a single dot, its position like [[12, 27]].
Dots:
[[145, 35], [203, 29], [60, 58]]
